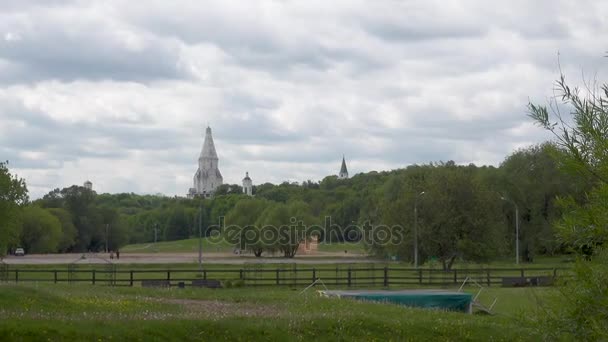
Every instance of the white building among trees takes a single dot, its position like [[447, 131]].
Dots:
[[208, 177], [247, 185], [88, 185]]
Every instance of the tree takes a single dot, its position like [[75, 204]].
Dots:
[[532, 177], [282, 227], [13, 194], [41, 231], [68, 230], [579, 311], [178, 226], [226, 189], [118, 234], [343, 214], [114, 228], [584, 139], [393, 208], [458, 217], [80, 203], [220, 206], [242, 218]]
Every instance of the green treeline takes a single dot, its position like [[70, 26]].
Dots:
[[463, 212]]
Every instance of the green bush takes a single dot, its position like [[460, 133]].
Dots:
[[578, 308]]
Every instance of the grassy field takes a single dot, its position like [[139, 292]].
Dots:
[[84, 312], [347, 248], [191, 246], [179, 246]]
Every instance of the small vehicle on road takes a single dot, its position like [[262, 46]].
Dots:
[[19, 252]]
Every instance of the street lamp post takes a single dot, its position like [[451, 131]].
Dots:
[[200, 237], [107, 249], [516, 228], [416, 229], [155, 233]]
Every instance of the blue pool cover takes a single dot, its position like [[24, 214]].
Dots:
[[432, 299]]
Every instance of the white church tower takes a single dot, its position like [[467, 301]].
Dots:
[[208, 177], [247, 185], [343, 171], [88, 185]]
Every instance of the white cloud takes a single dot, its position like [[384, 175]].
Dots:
[[119, 92]]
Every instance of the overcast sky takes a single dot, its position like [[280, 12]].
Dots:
[[119, 92]]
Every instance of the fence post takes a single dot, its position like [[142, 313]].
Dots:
[[314, 275], [522, 272], [93, 276], [16, 276], [385, 276], [205, 274], [455, 276], [420, 276], [131, 278], [349, 276], [241, 274], [488, 276], [554, 273], [55, 276], [277, 276], [168, 275]]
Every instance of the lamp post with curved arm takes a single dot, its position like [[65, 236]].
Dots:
[[416, 229], [516, 228]]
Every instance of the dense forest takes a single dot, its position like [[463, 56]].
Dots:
[[462, 212]]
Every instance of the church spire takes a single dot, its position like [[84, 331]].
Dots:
[[208, 150], [343, 171]]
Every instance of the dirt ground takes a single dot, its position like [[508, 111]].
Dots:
[[178, 258]]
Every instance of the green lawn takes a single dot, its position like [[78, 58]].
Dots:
[[191, 245], [348, 248], [345, 249], [85, 312], [179, 246]]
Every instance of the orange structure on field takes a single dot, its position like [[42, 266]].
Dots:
[[309, 246]]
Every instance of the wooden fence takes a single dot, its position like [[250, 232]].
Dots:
[[291, 276]]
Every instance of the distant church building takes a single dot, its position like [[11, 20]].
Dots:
[[208, 177], [343, 171], [247, 185]]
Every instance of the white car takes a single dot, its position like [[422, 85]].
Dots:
[[19, 252]]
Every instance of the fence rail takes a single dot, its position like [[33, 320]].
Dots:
[[281, 275]]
